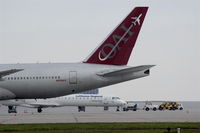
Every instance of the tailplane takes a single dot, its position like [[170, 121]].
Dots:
[[117, 48]]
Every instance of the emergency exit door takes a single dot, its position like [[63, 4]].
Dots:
[[72, 77]]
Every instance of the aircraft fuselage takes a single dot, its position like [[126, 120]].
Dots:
[[52, 80]]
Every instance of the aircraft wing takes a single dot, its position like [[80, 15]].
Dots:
[[42, 104], [8, 72], [125, 71]]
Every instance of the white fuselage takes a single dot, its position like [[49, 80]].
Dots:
[[70, 100], [53, 80]]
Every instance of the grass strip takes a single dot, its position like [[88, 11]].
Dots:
[[99, 126]]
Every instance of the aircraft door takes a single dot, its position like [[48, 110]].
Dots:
[[72, 77]]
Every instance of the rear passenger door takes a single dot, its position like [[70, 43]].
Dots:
[[72, 77]]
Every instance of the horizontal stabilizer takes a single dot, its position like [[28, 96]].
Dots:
[[8, 72], [125, 71]]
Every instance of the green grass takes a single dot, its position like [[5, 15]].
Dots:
[[101, 128]]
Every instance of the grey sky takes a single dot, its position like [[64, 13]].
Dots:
[[68, 30]]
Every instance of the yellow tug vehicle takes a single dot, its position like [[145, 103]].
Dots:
[[170, 106]]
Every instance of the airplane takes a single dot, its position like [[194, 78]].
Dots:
[[106, 65], [80, 100], [136, 19]]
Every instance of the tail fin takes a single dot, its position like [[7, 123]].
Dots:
[[116, 49]]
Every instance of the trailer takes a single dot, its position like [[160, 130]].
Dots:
[[171, 105]]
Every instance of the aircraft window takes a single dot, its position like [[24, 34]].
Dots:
[[24, 77], [52, 77], [11, 78], [36, 77], [42, 77], [33, 77], [17, 78], [8, 78], [14, 78], [49, 77], [27, 78], [46, 77], [58, 77], [55, 77], [21, 78], [39, 77]]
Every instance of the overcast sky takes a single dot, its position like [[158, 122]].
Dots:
[[68, 30]]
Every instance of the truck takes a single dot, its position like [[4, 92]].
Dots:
[[130, 106], [149, 106]]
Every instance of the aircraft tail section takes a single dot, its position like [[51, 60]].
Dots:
[[117, 48], [144, 68]]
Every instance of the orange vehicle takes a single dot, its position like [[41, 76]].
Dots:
[[170, 106]]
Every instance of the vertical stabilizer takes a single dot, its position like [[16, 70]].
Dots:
[[117, 48]]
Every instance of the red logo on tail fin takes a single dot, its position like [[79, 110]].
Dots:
[[116, 49]]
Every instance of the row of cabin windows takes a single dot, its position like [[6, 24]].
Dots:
[[24, 78], [96, 98]]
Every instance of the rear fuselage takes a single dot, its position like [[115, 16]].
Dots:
[[58, 79]]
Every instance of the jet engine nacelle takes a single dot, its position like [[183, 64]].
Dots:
[[6, 94]]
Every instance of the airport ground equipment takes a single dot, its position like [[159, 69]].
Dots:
[[149, 106], [130, 106], [81, 108], [171, 105], [12, 109], [180, 107]]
